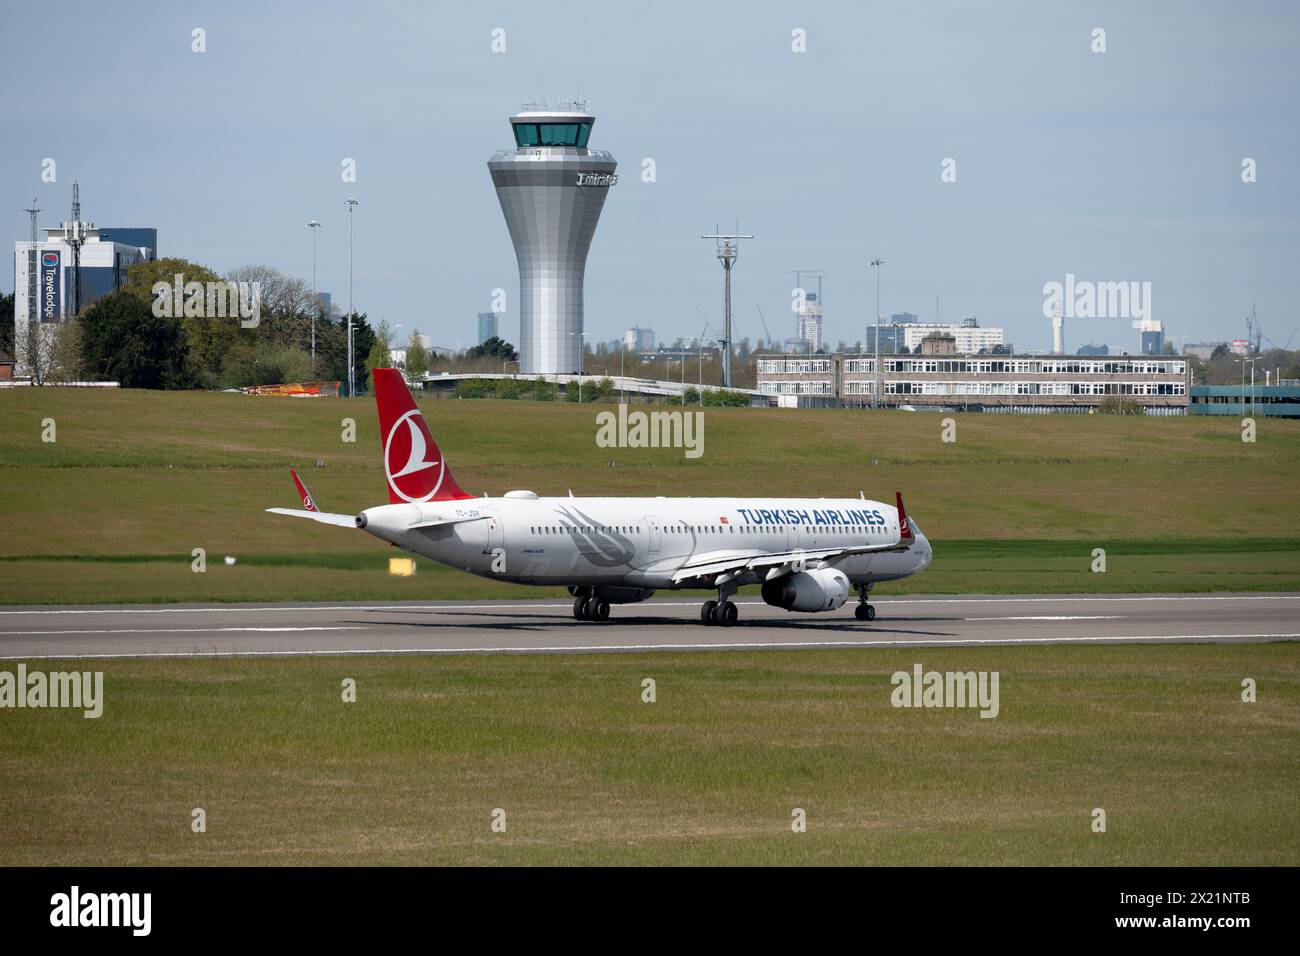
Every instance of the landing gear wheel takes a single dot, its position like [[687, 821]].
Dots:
[[580, 608], [706, 612], [864, 612], [598, 609], [725, 614]]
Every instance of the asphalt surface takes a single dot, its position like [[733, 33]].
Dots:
[[186, 630]]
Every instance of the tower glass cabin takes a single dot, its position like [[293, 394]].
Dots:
[[551, 187]]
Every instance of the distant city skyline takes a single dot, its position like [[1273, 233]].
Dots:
[[1116, 166]]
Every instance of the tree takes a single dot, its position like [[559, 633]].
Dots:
[[67, 352], [38, 348], [379, 355], [123, 340], [417, 359], [494, 348], [51, 351], [332, 349], [286, 305], [7, 322], [208, 338]]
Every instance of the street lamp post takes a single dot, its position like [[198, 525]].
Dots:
[[315, 306], [682, 357], [350, 203], [1242, 362], [581, 348], [875, 389]]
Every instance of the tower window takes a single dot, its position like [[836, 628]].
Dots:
[[552, 134]]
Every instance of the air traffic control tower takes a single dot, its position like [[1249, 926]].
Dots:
[[551, 188]]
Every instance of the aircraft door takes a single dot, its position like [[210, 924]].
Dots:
[[653, 535], [496, 536]]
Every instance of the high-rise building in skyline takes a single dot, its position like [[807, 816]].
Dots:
[[809, 321], [1152, 333], [552, 189], [487, 326], [637, 339]]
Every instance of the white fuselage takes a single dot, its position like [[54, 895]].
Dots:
[[641, 542]]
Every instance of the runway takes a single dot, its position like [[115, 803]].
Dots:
[[672, 624]]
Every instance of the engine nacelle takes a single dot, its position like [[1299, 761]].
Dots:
[[823, 589]]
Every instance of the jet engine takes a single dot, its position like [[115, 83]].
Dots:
[[822, 589]]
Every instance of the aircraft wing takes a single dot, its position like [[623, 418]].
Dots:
[[778, 563]]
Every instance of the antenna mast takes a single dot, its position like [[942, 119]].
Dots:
[[32, 312], [75, 235], [727, 252]]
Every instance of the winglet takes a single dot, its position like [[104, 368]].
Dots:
[[307, 502], [904, 526]]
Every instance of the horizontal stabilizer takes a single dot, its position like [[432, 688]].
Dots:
[[324, 517]]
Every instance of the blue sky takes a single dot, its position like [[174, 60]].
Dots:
[[1114, 166]]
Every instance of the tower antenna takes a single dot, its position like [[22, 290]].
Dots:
[[727, 252], [32, 314]]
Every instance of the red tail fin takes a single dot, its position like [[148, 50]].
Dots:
[[413, 462], [307, 502], [904, 526]]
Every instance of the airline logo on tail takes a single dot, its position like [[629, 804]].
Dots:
[[412, 462], [904, 526], [406, 459], [307, 502]]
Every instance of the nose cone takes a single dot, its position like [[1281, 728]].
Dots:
[[922, 551]]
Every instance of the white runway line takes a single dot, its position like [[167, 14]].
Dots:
[[189, 630], [761, 645], [880, 602], [1053, 617]]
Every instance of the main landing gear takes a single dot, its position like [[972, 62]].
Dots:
[[721, 612], [590, 608], [864, 611]]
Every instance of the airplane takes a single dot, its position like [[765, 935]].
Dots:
[[806, 553]]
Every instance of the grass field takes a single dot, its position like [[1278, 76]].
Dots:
[[112, 509], [710, 773]]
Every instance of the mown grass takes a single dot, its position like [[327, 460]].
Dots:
[[586, 772], [961, 567], [159, 474]]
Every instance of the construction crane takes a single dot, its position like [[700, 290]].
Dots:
[[812, 274]]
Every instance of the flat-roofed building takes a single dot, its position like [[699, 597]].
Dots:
[[1036, 384], [1269, 401], [970, 338]]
